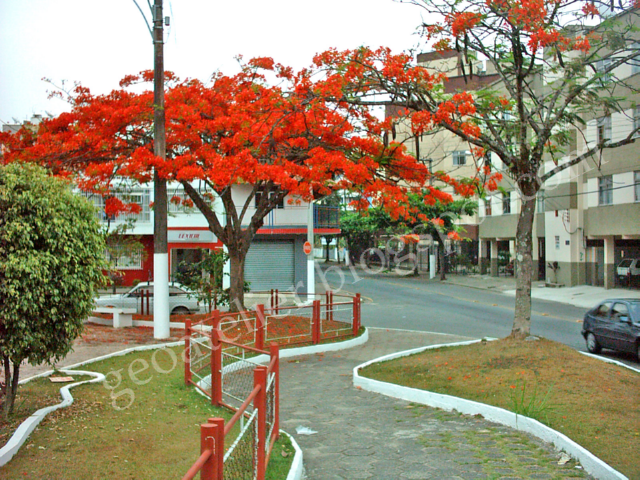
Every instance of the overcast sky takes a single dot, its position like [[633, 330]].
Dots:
[[98, 42]]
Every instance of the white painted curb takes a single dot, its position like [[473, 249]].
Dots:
[[296, 471], [611, 360], [24, 430], [592, 464]]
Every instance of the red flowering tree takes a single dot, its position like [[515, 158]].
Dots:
[[282, 137], [556, 63]]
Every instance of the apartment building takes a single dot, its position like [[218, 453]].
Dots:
[[587, 218]]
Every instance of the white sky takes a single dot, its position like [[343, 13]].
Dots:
[[98, 42]]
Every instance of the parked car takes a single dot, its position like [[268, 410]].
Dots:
[[613, 324], [182, 301], [628, 271]]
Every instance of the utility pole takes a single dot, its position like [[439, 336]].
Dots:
[[160, 248]]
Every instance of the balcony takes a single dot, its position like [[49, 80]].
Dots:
[[325, 216]]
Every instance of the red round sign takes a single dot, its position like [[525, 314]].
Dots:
[[307, 248]]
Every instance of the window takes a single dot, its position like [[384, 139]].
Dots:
[[123, 259], [540, 202], [620, 312], [459, 157], [601, 67], [605, 195], [487, 162], [635, 62], [636, 186], [604, 128], [259, 194], [603, 310], [140, 197], [506, 203], [557, 242], [487, 206], [180, 202]]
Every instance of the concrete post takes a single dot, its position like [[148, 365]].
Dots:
[[609, 262], [494, 257], [482, 256]]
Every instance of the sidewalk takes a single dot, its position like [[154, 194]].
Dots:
[[584, 296], [364, 435]]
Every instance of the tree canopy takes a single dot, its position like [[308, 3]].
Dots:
[[267, 126], [555, 63], [51, 263]]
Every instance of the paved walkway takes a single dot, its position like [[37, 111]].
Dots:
[[363, 435]]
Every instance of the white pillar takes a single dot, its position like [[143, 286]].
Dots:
[[226, 271], [161, 295], [432, 262], [609, 262]]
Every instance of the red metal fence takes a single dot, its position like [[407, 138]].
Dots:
[[220, 360]]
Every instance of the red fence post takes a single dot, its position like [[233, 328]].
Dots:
[[359, 317], [260, 403], [187, 352], [326, 301], [216, 361], [315, 322], [331, 310], [260, 327], [274, 349], [218, 453], [207, 442]]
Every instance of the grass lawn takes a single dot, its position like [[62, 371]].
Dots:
[[144, 429], [594, 403]]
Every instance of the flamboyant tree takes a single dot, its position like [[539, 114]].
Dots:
[[556, 62], [283, 137]]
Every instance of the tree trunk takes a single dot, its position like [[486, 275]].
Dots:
[[524, 269], [443, 262], [11, 385], [326, 252], [236, 287]]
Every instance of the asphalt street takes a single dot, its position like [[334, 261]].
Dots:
[[411, 303]]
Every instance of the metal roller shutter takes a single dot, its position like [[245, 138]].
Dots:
[[270, 264]]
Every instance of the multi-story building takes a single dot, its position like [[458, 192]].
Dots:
[[588, 217], [275, 259]]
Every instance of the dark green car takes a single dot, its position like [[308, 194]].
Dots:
[[613, 324]]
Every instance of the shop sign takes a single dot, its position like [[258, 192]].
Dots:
[[191, 236]]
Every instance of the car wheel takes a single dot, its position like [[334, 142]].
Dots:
[[592, 343], [180, 311]]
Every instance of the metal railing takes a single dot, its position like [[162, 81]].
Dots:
[[220, 360]]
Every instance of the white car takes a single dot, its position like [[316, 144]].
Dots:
[[628, 271], [182, 301]]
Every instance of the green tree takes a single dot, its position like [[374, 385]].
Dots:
[[51, 262], [438, 220], [360, 229]]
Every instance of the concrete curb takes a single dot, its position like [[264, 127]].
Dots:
[[297, 470], [25, 428], [592, 464], [611, 360]]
